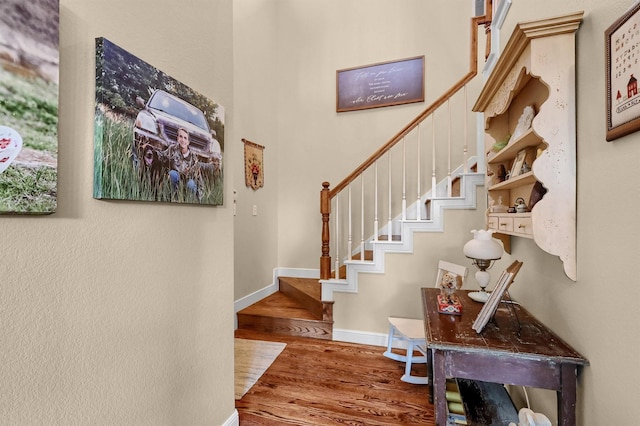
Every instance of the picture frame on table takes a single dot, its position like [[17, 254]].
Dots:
[[622, 71], [518, 162], [491, 305]]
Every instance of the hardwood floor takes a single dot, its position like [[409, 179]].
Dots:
[[319, 382]]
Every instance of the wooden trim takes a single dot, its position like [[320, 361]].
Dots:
[[522, 35]]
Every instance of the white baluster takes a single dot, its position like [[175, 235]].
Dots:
[[434, 183], [337, 219], [389, 228], [404, 179], [465, 149], [375, 203], [419, 197], [350, 224], [362, 216], [449, 183]]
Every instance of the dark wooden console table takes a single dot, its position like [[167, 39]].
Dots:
[[519, 352]]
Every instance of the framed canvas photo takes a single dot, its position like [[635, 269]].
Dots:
[[29, 83], [622, 65], [155, 138]]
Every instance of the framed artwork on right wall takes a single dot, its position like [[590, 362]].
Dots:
[[622, 41]]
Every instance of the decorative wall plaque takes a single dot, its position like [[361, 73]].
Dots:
[[253, 164]]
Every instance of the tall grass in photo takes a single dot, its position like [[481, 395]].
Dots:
[[30, 106], [117, 176]]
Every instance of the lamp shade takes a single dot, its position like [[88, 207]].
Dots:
[[483, 246]]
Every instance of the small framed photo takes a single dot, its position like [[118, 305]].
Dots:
[[490, 307], [518, 162], [622, 72]]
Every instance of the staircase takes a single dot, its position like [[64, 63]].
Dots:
[[402, 233], [304, 306], [295, 310]]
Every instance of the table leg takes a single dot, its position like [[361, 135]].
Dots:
[[439, 387], [430, 374], [566, 396]]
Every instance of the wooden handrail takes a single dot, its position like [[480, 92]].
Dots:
[[326, 195], [475, 22]]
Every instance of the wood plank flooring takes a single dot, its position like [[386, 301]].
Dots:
[[319, 382]]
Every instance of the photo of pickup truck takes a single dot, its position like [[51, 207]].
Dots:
[[155, 138]]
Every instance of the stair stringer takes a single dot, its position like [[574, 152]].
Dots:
[[408, 227]]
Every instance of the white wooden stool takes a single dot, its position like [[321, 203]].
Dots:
[[411, 331]]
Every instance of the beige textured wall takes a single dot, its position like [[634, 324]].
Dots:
[[255, 92], [317, 144], [119, 313]]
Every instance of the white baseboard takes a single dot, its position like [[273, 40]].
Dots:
[[366, 338], [234, 420], [254, 297], [360, 337]]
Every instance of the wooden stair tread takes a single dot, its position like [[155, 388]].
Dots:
[[279, 305], [308, 286], [306, 292], [280, 313], [295, 310], [368, 255]]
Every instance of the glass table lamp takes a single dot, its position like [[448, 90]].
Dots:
[[483, 250]]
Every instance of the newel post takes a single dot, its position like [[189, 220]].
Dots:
[[325, 211]]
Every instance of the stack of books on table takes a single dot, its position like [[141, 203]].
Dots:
[[455, 410]]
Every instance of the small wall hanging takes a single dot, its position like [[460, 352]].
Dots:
[[156, 139], [253, 164], [29, 67]]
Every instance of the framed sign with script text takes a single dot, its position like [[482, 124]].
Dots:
[[382, 84]]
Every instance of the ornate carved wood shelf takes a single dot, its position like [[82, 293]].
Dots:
[[537, 68]]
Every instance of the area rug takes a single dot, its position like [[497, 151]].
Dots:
[[252, 358]]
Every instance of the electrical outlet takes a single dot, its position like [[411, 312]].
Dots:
[[255, 210]]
